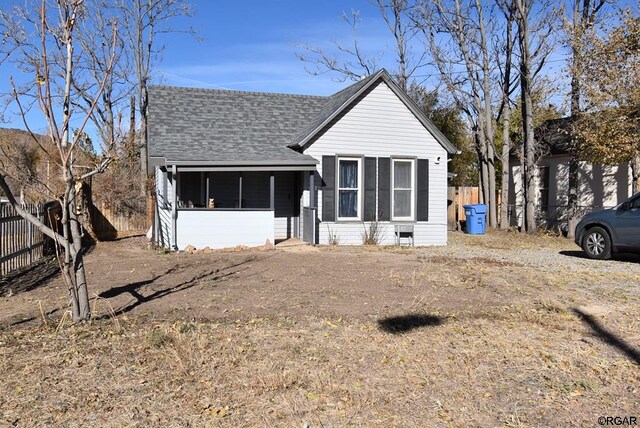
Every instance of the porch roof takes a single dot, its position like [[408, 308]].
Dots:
[[277, 158]]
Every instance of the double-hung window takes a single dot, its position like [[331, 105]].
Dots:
[[544, 188], [403, 196], [349, 185]]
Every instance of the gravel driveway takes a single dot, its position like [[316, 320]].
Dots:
[[549, 254]]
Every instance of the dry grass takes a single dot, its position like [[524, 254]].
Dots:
[[477, 342], [517, 366], [511, 240]]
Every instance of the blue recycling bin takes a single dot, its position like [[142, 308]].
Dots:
[[476, 215]]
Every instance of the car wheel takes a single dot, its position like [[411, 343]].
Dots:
[[597, 244]]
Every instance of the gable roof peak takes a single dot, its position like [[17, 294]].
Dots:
[[341, 100]]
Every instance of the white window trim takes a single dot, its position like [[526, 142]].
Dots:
[[413, 190], [358, 189]]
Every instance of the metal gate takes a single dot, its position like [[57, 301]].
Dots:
[[309, 225]]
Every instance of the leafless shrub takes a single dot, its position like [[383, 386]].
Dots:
[[334, 239], [372, 233]]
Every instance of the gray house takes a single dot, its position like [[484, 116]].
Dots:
[[599, 186], [239, 168]]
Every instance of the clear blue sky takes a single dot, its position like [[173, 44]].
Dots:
[[248, 45], [251, 45]]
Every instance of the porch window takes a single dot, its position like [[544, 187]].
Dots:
[[350, 170], [403, 179], [225, 190]]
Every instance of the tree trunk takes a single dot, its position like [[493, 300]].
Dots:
[[143, 140], [84, 309], [584, 13], [635, 174], [572, 196], [487, 117], [527, 115], [506, 118], [485, 182], [572, 191], [506, 147], [530, 211], [68, 266], [491, 186], [70, 280], [77, 259], [482, 160]]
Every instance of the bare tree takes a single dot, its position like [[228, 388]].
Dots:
[[534, 43], [351, 62], [505, 62], [395, 15], [523, 8], [459, 36], [143, 21], [39, 52], [584, 14], [94, 64]]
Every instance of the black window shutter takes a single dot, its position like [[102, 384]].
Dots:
[[423, 190], [328, 188], [384, 189], [369, 189]]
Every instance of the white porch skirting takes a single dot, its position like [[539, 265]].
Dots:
[[222, 229]]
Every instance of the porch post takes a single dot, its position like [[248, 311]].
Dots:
[[208, 193], [240, 192], [203, 198], [272, 192], [174, 207], [312, 190]]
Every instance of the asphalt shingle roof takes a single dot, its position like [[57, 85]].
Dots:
[[191, 125]]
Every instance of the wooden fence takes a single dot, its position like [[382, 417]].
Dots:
[[108, 221], [21, 243], [457, 197]]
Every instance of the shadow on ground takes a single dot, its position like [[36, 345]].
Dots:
[[406, 323], [619, 257], [33, 276], [608, 337], [135, 288], [134, 235]]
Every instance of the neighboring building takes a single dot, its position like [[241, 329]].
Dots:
[[239, 168], [600, 186]]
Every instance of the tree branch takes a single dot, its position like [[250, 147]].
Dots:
[[28, 216]]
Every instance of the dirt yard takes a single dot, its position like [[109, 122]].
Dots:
[[495, 330]]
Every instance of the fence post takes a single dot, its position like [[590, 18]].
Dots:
[[30, 241], [1, 237]]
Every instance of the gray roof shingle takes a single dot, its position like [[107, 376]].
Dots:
[[191, 125]]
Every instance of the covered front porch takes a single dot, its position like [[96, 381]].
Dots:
[[221, 207]]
